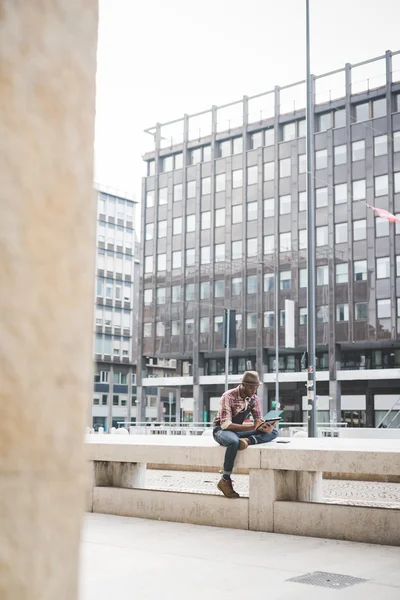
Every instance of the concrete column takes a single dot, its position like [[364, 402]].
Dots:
[[309, 486], [47, 258]]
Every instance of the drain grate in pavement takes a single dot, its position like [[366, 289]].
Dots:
[[328, 580]]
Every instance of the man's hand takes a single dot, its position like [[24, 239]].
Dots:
[[267, 427], [257, 423]]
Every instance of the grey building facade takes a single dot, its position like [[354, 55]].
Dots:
[[224, 221]]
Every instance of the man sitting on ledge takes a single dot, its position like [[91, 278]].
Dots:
[[231, 431]]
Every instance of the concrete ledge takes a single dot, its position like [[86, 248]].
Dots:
[[331, 521], [198, 509]]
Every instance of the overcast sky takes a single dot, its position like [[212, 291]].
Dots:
[[159, 59]]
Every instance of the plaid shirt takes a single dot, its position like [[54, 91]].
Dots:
[[232, 404]]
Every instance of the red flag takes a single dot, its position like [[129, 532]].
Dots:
[[385, 214]]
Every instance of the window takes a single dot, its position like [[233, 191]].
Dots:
[[148, 297], [176, 293], [252, 284], [302, 239], [206, 186], [340, 117], [236, 286], [302, 316], [398, 266], [205, 219], [302, 201], [205, 255], [268, 319], [220, 217], [269, 244], [268, 282], [269, 171], [302, 163], [151, 168], [342, 312], [219, 288], [224, 149], [322, 314], [289, 132], [303, 278], [383, 267], [340, 233], [196, 156], [160, 329], [381, 185], [358, 150], [237, 145], [284, 278], [251, 320], [340, 155], [252, 175], [237, 250], [252, 247], [161, 295], [324, 121], [322, 235], [359, 230], [237, 178], [162, 196], [396, 141], [146, 330], [252, 211], [190, 223], [397, 182], [269, 137], [204, 324], [206, 153], [178, 161], [148, 264], [177, 259], [322, 275], [189, 292], [191, 189], [321, 197], [104, 399], [341, 193], [149, 231], [115, 400], [204, 290], [162, 229], [359, 190], [189, 326], [284, 167], [381, 227], [177, 226], [149, 198], [384, 310], [269, 207], [218, 324], [361, 112], [282, 318], [285, 242], [256, 140], [219, 252], [237, 212], [321, 159], [361, 311], [302, 128], [167, 164], [380, 145], [190, 257], [379, 108], [285, 204], [220, 182], [360, 270]]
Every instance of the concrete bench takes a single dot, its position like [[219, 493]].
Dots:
[[285, 485]]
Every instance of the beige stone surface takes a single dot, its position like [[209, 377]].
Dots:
[[172, 506], [47, 243]]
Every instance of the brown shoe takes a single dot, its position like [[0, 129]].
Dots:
[[225, 486], [243, 443]]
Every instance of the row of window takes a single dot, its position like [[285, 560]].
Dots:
[[118, 208], [117, 400], [118, 377], [111, 289], [322, 316], [108, 317], [114, 234], [115, 262], [381, 188], [289, 131], [112, 345]]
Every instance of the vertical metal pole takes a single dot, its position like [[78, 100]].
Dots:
[[228, 322], [311, 304], [276, 283]]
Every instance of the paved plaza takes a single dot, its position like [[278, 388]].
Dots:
[[382, 495], [125, 558]]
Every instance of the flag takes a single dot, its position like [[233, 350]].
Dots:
[[385, 214]]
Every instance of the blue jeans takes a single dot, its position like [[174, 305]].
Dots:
[[230, 439]]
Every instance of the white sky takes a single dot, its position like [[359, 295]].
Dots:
[[159, 59]]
